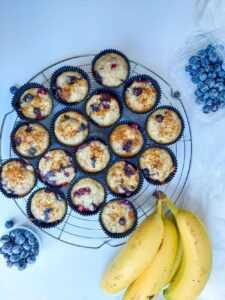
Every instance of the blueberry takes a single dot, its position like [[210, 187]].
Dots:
[[22, 264], [199, 100], [206, 109], [9, 224], [71, 79], [32, 151], [210, 82], [23, 254], [26, 246], [28, 97], [209, 102], [27, 234], [204, 88], [213, 57], [198, 93], [14, 258], [5, 238], [137, 91], [122, 221], [193, 60], [6, 255], [16, 249], [196, 66], [30, 259], [7, 248], [221, 74], [19, 239], [188, 68], [195, 79], [9, 263], [215, 107], [13, 89], [222, 104], [31, 240], [202, 52], [212, 75], [205, 62], [213, 93], [35, 251]]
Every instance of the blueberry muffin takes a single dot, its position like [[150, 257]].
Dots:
[[33, 102], [86, 196], [70, 85], [56, 168], [118, 218], [158, 165], [71, 128], [110, 68], [103, 108], [93, 156], [165, 125], [46, 208], [17, 178], [126, 140], [30, 140], [123, 178], [141, 94]]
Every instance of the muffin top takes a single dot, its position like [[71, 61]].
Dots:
[[111, 69], [17, 177], [164, 125], [141, 96], [31, 140], [126, 140], [93, 156], [123, 178], [118, 216], [71, 87], [35, 103], [71, 128], [103, 108], [157, 164], [48, 206], [56, 168], [87, 195]]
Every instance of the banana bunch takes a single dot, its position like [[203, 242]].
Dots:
[[162, 254]]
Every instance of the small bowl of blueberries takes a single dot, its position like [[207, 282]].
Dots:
[[19, 246]]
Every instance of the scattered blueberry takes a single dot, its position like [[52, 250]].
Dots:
[[159, 118], [28, 97], [127, 146], [17, 141], [137, 91], [206, 109], [9, 224], [37, 112], [82, 191], [129, 170], [47, 212], [32, 151], [122, 221], [71, 79], [29, 128]]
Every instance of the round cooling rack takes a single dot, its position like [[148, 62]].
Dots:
[[85, 231]]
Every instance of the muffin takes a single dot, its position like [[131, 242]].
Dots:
[[46, 208], [56, 168], [103, 108], [165, 125], [70, 128], [70, 85], [126, 140], [123, 178], [33, 102], [17, 178], [86, 196], [30, 140], [158, 165], [93, 156], [110, 68], [141, 94], [118, 218]]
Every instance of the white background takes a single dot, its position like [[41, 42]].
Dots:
[[34, 34]]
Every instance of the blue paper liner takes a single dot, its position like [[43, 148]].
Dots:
[[18, 94], [118, 235], [106, 51], [54, 88], [40, 223], [140, 78]]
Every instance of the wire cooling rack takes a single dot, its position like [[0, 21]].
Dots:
[[83, 231]]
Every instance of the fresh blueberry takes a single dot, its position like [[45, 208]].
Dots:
[[9, 263], [206, 109], [195, 79], [203, 76], [196, 66], [19, 239], [213, 57], [28, 97], [199, 100], [212, 75], [215, 107], [31, 259], [22, 265], [221, 74], [205, 63], [14, 258], [26, 246], [35, 251], [7, 248], [222, 104], [193, 60], [31, 240], [210, 82], [9, 224], [213, 93], [202, 52], [13, 89], [188, 68], [204, 88], [198, 93], [16, 249], [209, 102], [24, 254], [122, 221], [6, 255], [5, 238]]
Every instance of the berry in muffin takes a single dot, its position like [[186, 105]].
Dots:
[[165, 125], [118, 218], [126, 140], [110, 68], [123, 178], [71, 128], [158, 165], [103, 108], [30, 140], [17, 178], [56, 168], [86, 196], [93, 156]]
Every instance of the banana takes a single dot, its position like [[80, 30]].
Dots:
[[138, 253], [177, 262], [196, 263], [156, 276]]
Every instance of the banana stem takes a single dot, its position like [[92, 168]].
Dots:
[[163, 198]]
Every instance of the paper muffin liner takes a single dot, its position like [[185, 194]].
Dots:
[[90, 139], [58, 72], [171, 176], [73, 206], [106, 51], [53, 185], [118, 235], [52, 126], [20, 124], [135, 192], [128, 122], [108, 91], [180, 117], [11, 195], [154, 83], [39, 223], [18, 94]]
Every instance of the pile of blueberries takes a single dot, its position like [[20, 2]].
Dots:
[[19, 247], [207, 72]]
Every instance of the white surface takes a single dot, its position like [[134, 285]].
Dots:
[[35, 34]]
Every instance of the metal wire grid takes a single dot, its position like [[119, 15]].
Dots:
[[85, 231]]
